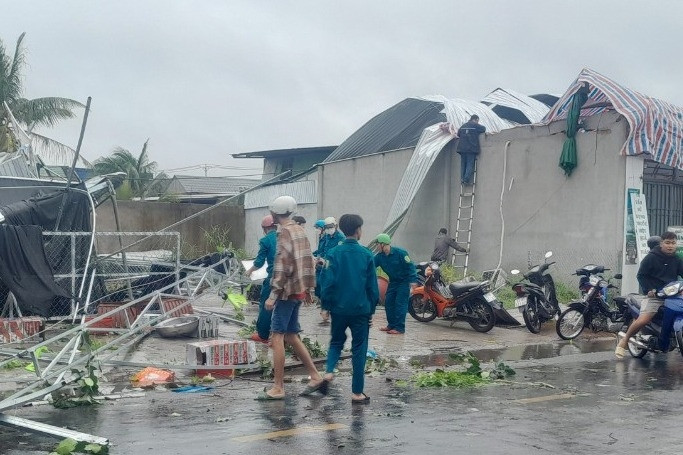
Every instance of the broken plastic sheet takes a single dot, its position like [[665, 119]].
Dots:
[[259, 274]]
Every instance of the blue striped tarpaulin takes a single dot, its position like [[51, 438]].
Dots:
[[655, 126]]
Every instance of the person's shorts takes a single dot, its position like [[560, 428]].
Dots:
[[285, 318], [651, 305]]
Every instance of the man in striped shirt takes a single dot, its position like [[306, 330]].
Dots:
[[293, 281]]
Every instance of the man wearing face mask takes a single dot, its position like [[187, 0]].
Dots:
[[397, 265], [332, 236]]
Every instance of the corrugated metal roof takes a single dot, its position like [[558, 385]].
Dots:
[[210, 185], [398, 127], [505, 101], [281, 153], [304, 192], [14, 166], [655, 126]]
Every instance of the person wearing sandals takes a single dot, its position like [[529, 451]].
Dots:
[[657, 269], [292, 282], [350, 293]]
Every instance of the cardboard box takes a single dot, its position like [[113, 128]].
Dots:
[[218, 353], [16, 329]]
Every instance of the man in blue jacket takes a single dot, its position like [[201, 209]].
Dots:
[[331, 237], [266, 253], [397, 265], [350, 294], [468, 147]]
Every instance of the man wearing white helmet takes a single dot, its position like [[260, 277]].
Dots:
[[292, 282]]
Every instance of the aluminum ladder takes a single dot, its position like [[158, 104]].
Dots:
[[463, 226]]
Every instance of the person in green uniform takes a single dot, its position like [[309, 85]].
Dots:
[[331, 237], [349, 292], [266, 253], [397, 265]]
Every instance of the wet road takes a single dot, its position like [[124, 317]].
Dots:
[[564, 399]]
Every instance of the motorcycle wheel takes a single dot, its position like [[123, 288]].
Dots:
[[570, 324], [421, 309], [635, 351], [531, 318], [484, 319]]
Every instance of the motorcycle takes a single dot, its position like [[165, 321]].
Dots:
[[536, 296], [668, 320], [471, 302], [592, 310]]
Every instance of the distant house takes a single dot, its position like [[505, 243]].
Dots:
[[297, 160], [206, 190]]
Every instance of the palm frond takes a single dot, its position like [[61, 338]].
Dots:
[[10, 72], [44, 111], [54, 151], [18, 61]]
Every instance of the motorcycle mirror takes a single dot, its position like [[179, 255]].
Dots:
[[514, 272], [548, 254], [617, 276]]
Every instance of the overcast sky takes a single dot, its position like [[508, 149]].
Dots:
[[205, 79]]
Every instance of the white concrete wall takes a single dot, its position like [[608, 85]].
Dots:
[[365, 186], [579, 218]]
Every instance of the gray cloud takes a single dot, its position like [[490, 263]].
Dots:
[[207, 79]]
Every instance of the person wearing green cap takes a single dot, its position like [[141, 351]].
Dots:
[[397, 264]]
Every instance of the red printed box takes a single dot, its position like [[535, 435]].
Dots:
[[16, 329], [219, 353]]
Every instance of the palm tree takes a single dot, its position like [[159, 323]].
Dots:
[[139, 170], [31, 113]]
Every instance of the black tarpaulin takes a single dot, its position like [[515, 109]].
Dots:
[[43, 211], [25, 271]]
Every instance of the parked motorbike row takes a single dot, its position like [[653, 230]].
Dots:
[[536, 299]]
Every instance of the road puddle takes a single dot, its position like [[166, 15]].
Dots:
[[516, 353]]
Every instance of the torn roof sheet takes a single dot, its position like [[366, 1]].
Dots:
[[515, 107], [655, 126]]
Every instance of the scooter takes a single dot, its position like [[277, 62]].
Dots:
[[592, 310], [471, 302], [665, 332], [536, 296]]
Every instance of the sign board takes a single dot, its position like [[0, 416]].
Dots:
[[642, 228]]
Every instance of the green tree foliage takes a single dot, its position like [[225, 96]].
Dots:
[[139, 170], [30, 113]]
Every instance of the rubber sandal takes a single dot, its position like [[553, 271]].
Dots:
[[365, 400], [394, 332], [384, 329], [620, 352], [322, 388], [263, 396]]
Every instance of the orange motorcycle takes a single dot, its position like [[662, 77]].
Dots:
[[471, 302]]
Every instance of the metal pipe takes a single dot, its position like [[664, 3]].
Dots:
[[118, 229], [73, 164]]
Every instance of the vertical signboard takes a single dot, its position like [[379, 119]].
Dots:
[[637, 227], [640, 223]]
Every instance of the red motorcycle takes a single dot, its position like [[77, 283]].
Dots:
[[471, 302]]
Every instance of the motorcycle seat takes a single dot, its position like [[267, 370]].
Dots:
[[620, 301], [461, 288], [634, 300]]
